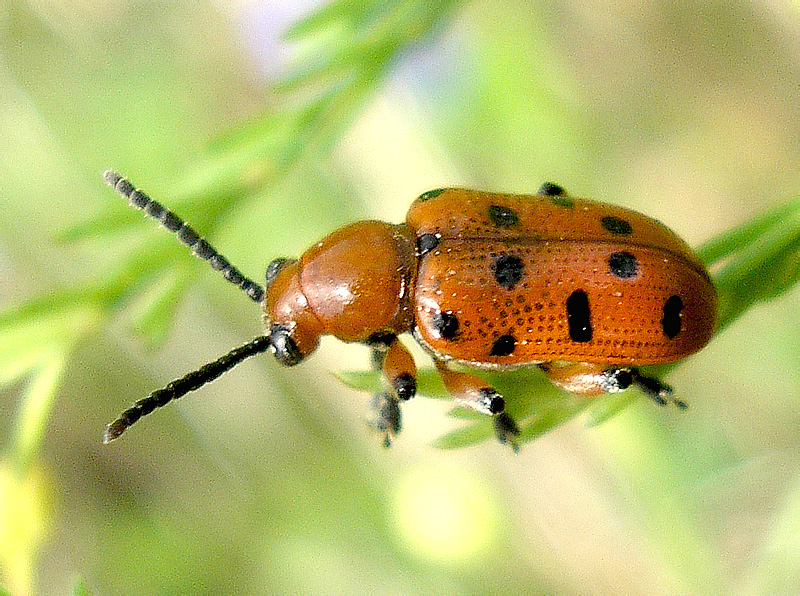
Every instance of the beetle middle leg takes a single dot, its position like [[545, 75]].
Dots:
[[473, 392]]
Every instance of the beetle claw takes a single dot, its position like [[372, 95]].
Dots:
[[659, 392], [506, 430], [387, 417]]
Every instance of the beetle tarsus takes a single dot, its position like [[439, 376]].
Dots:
[[659, 392], [388, 419], [506, 431]]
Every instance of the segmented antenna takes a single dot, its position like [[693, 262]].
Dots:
[[185, 233], [184, 385]]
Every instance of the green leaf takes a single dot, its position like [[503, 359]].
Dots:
[[154, 311], [321, 95], [733, 240], [35, 343], [461, 413], [466, 436], [79, 588], [369, 381], [758, 261], [332, 15]]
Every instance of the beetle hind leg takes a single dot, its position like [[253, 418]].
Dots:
[[590, 380], [659, 392], [473, 392]]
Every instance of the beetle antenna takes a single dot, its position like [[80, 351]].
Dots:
[[185, 233], [184, 385]]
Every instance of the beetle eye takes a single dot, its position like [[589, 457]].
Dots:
[[283, 347], [274, 268]]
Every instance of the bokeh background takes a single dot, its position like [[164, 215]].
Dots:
[[268, 480]]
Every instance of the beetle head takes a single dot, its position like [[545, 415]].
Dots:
[[292, 327]]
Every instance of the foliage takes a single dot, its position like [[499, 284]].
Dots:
[[318, 99], [119, 86]]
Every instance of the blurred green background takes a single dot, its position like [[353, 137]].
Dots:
[[268, 480]]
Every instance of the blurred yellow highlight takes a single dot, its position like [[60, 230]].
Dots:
[[446, 516], [25, 515]]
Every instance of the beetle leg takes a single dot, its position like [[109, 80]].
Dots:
[[399, 369], [506, 430], [388, 419], [659, 392], [395, 361], [473, 392], [584, 378]]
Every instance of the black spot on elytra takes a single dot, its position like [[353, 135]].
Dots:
[[548, 189], [504, 345], [446, 324], [671, 323], [578, 317], [557, 195], [426, 243], [503, 217], [508, 270], [623, 265], [431, 194], [616, 225]]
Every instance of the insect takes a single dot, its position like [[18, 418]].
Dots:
[[586, 291]]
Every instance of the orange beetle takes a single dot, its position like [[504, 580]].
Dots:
[[586, 291]]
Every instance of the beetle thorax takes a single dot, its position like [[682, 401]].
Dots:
[[356, 282]]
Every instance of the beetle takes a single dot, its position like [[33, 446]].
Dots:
[[586, 291]]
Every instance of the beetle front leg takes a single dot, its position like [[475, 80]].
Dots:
[[396, 364], [400, 371], [387, 420], [473, 392]]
